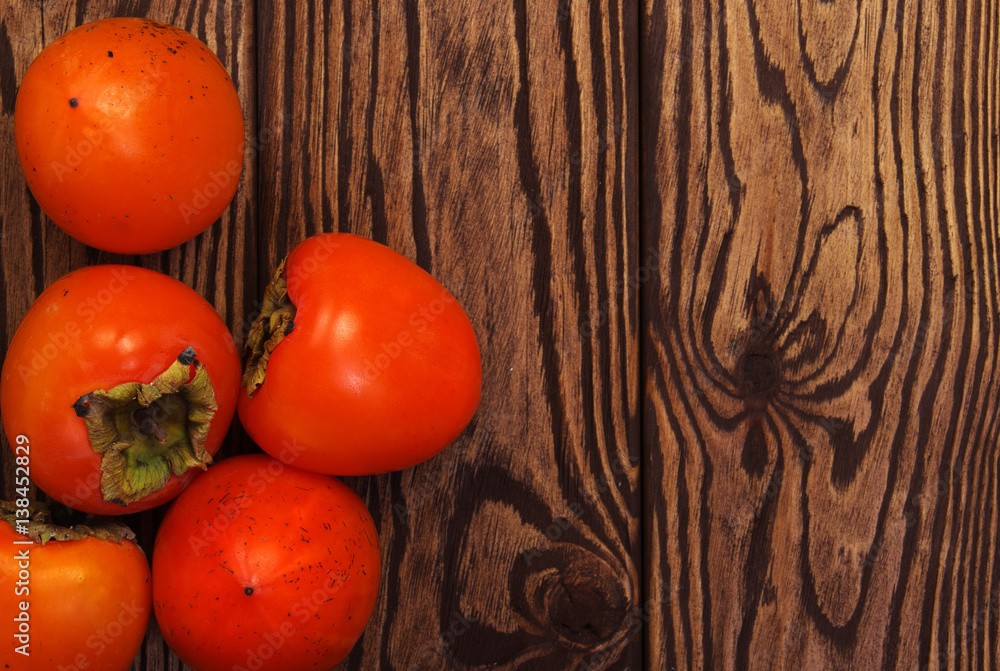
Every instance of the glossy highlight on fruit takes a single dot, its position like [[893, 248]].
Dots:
[[360, 359], [76, 597], [123, 381], [260, 565]]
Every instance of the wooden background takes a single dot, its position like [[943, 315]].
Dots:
[[734, 269]]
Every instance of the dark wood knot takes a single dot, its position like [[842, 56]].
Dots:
[[758, 374], [578, 596]]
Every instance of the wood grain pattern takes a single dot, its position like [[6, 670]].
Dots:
[[821, 348], [494, 144], [733, 267]]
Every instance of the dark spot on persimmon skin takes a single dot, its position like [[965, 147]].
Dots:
[[248, 591], [110, 54], [73, 102]]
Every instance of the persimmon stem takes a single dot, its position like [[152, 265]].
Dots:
[[41, 529], [147, 432], [275, 321]]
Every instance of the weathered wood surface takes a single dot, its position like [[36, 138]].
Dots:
[[733, 267], [496, 145], [479, 138], [820, 335]]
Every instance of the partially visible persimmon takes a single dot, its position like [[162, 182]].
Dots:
[[76, 598]]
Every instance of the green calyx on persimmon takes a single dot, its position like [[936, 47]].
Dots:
[[147, 432]]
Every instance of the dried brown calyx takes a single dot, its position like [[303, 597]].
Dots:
[[275, 321]]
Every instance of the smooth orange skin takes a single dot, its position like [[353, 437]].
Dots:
[[95, 328], [381, 371], [304, 543], [89, 603], [152, 152]]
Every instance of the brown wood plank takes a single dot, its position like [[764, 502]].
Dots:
[[495, 144], [821, 185], [221, 263]]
